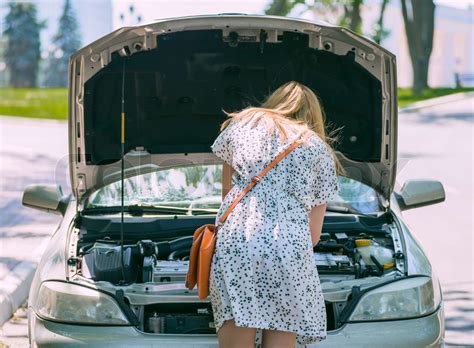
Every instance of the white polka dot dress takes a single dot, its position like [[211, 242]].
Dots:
[[263, 272]]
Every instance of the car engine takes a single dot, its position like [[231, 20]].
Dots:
[[160, 262], [165, 263]]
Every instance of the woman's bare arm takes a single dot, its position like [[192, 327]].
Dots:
[[227, 172], [316, 217]]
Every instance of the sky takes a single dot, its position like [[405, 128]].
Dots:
[[155, 9], [456, 3]]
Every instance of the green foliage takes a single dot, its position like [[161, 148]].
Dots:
[[195, 175], [350, 17], [406, 95], [282, 7], [34, 102], [65, 43], [22, 51]]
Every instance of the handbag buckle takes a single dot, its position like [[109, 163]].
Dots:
[[256, 179]]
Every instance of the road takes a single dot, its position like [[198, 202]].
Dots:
[[435, 143]]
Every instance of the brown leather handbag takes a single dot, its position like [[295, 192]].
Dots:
[[204, 238]]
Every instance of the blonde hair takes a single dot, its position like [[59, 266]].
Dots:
[[291, 106]]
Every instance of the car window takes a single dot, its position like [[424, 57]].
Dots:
[[199, 186]]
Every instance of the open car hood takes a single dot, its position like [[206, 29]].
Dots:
[[180, 74]]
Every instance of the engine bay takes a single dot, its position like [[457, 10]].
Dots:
[[160, 264]]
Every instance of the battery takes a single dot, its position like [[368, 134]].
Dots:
[[326, 260]]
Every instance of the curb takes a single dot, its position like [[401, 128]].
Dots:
[[15, 287], [29, 120], [435, 101]]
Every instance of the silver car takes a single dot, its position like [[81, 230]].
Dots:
[[114, 274]]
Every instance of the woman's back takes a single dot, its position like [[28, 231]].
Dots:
[[263, 272], [308, 170]]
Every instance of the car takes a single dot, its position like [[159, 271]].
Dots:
[[145, 104]]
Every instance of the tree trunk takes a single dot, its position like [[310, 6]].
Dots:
[[380, 30], [419, 28], [355, 19]]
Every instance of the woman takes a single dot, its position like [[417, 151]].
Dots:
[[263, 273]]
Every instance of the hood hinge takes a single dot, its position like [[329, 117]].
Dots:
[[81, 186]]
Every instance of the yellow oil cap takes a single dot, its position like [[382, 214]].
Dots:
[[388, 265], [363, 242]]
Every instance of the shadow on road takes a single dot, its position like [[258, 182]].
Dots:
[[467, 117], [459, 312]]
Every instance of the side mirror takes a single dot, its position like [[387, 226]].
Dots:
[[47, 198], [419, 193]]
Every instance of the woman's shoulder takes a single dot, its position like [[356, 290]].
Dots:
[[315, 145]]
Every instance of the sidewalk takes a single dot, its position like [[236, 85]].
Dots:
[[414, 107], [31, 151], [14, 334]]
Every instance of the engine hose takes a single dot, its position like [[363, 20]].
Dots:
[[178, 255], [377, 263], [164, 249], [181, 243], [357, 266]]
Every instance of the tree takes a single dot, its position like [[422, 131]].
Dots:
[[22, 51], [379, 30], [350, 18], [418, 17], [282, 7], [66, 41]]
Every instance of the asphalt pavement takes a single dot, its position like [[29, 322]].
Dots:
[[435, 142]]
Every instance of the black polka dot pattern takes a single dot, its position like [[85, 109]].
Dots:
[[263, 273]]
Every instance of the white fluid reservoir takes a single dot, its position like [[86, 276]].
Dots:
[[367, 247]]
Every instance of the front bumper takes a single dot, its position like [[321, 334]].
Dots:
[[421, 332]]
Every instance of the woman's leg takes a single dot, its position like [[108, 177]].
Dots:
[[278, 339], [231, 336]]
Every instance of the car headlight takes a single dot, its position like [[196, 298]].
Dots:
[[72, 303], [407, 298]]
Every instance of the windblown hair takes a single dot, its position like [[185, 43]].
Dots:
[[291, 106]]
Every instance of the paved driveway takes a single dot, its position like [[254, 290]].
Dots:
[[434, 143]]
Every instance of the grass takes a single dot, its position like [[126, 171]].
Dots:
[[51, 103], [34, 102], [406, 97]]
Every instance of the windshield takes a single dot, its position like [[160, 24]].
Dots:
[[199, 187]]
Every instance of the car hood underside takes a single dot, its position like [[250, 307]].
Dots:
[[176, 78]]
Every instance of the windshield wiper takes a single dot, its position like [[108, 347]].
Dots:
[[140, 209]]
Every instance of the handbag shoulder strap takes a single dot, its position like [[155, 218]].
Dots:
[[258, 177]]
